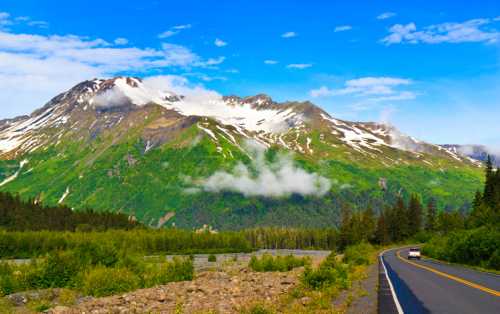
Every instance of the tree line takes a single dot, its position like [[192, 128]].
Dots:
[[19, 215], [397, 223], [486, 204]]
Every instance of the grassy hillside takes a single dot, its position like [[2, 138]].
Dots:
[[118, 175]]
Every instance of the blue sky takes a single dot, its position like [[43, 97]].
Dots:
[[431, 68]]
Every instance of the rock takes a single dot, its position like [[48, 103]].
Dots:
[[59, 310], [223, 291], [305, 300], [17, 299]]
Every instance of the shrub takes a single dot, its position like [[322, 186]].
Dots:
[[7, 282], [358, 254], [212, 258], [268, 263], [422, 236], [93, 253], [59, 270], [318, 278], [477, 247], [103, 281], [179, 269], [329, 273], [257, 309], [494, 261]]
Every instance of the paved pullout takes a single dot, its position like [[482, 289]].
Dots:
[[441, 288]]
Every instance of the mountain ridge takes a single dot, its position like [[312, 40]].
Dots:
[[90, 144]]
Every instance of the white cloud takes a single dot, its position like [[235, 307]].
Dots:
[[4, 19], [342, 28], [471, 149], [468, 31], [323, 91], [204, 77], [211, 62], [22, 18], [270, 61], [299, 66], [167, 34], [41, 24], [184, 26], [110, 98], [220, 43], [289, 34], [372, 89], [271, 179], [121, 41], [386, 15], [174, 30], [34, 68]]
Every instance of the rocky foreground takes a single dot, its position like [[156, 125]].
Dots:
[[211, 291]]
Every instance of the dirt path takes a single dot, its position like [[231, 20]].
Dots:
[[365, 295]]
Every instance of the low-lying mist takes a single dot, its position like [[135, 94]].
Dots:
[[262, 178]]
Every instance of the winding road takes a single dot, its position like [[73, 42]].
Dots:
[[427, 286]]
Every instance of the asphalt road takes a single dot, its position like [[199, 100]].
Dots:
[[427, 286]]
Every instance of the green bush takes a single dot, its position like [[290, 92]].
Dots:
[[179, 269], [358, 254], [476, 247], [7, 283], [59, 270], [212, 258], [102, 281], [318, 278], [329, 273], [102, 248], [18, 277], [257, 309], [494, 261], [422, 237], [268, 263], [93, 253]]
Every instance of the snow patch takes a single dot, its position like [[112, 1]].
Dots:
[[63, 197], [14, 176]]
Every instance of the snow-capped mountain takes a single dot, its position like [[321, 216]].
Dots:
[[147, 149], [110, 102], [476, 152]]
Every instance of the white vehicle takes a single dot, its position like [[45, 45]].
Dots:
[[414, 253]]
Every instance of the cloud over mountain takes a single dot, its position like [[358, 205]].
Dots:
[[273, 179]]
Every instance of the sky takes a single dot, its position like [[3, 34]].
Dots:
[[430, 68]]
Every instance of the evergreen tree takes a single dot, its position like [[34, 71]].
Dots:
[[381, 233], [489, 186], [399, 223], [368, 224], [478, 200], [450, 221], [346, 236], [414, 215], [430, 222]]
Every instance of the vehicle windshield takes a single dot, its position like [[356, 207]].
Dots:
[[414, 250]]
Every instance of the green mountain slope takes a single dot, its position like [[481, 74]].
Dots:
[[157, 162]]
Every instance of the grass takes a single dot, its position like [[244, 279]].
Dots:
[[268, 263], [92, 274], [212, 258], [322, 285]]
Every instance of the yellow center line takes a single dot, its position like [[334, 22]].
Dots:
[[460, 280]]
